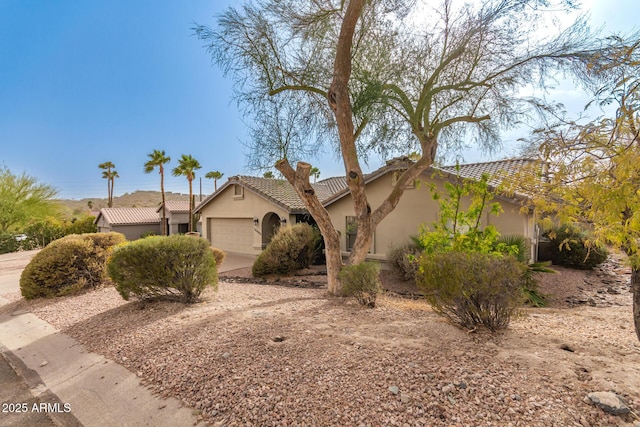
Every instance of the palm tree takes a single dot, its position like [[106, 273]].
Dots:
[[187, 166], [110, 175], [268, 175], [315, 173], [215, 176], [158, 159]]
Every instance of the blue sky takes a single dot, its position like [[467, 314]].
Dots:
[[84, 82]]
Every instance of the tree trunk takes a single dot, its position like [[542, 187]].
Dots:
[[190, 202], [635, 289], [299, 179], [164, 207]]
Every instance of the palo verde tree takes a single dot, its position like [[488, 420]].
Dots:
[[187, 167], [110, 174], [158, 159], [24, 199], [592, 170], [384, 77]]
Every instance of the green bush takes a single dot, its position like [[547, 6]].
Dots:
[[68, 265], [404, 260], [570, 246], [292, 248], [173, 266], [361, 281], [8, 243], [472, 288]]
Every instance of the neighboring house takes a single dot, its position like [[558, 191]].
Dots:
[[177, 213], [245, 212], [132, 222]]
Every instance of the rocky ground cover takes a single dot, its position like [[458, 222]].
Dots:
[[285, 353]]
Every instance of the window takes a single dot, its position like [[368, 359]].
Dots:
[[351, 230]]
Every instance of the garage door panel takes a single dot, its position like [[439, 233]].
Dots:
[[231, 234]]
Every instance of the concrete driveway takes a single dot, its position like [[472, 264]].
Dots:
[[234, 261]]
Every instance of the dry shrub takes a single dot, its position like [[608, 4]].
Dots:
[[404, 260], [471, 288], [361, 281], [219, 255], [68, 265]]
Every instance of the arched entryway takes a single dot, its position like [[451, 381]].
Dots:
[[270, 224]]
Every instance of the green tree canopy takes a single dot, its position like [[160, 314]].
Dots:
[[215, 176], [187, 166], [591, 171], [157, 159], [384, 77], [110, 174], [24, 199]]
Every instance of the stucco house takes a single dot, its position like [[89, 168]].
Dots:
[[244, 213], [177, 213], [132, 222]]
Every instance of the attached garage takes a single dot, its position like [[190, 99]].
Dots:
[[231, 234]]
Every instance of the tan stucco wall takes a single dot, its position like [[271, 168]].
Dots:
[[249, 206], [416, 207]]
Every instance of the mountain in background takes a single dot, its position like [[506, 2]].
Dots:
[[137, 199]]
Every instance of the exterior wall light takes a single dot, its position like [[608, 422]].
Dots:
[[256, 221]]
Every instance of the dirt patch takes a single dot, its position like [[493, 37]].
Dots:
[[264, 354]]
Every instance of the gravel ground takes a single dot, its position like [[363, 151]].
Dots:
[[271, 355]]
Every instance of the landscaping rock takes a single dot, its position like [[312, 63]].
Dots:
[[609, 402]]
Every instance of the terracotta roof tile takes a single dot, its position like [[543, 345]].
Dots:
[[124, 216], [280, 191], [497, 170]]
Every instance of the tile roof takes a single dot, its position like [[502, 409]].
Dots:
[[335, 184], [126, 216], [280, 192], [283, 193], [181, 206], [497, 170]]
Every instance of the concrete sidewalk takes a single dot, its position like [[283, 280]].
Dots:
[[72, 385], [77, 387]]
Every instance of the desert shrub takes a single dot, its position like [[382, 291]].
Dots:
[[292, 248], [148, 234], [68, 265], [472, 288], [361, 281], [404, 260], [571, 247], [218, 255], [81, 224], [8, 243], [173, 266]]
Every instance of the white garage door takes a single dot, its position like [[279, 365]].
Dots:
[[231, 234]]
